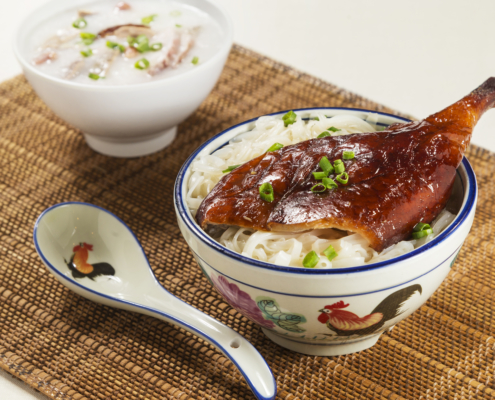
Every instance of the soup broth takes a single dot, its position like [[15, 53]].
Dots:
[[112, 43]]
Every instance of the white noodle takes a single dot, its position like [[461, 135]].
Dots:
[[282, 248]]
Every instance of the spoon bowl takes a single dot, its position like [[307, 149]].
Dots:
[[95, 254]]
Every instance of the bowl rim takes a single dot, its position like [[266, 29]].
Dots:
[[228, 39], [185, 216]]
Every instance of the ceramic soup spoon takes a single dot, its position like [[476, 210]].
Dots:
[[95, 254]]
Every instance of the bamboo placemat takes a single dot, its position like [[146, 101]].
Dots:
[[70, 348]]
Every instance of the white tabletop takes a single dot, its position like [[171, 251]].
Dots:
[[416, 57]]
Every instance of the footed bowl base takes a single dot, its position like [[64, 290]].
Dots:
[[322, 349], [129, 149]]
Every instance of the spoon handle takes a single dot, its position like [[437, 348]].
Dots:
[[161, 304]]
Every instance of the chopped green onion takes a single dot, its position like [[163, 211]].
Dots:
[[339, 166], [422, 233], [329, 183], [320, 175], [326, 166], [131, 40], [324, 134], [114, 45], [79, 23], [311, 260], [330, 253], [156, 46], [421, 226], [230, 168], [316, 119], [275, 147], [318, 188], [342, 178], [147, 20], [94, 76], [143, 63], [289, 118], [87, 38], [195, 60], [333, 129], [87, 35], [141, 43], [87, 53], [178, 26], [266, 192], [142, 47], [175, 13], [421, 230], [348, 155]]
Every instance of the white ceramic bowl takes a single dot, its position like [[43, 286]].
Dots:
[[288, 302], [130, 120]]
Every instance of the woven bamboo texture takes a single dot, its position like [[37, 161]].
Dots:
[[70, 348]]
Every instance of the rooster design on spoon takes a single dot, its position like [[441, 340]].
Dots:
[[80, 267]]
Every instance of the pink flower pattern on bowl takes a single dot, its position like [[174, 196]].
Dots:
[[241, 301]]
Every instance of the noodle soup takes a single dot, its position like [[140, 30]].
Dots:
[[391, 289], [120, 43], [290, 249]]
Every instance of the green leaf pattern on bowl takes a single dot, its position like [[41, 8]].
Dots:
[[272, 312]]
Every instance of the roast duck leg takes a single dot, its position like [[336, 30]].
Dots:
[[398, 177]]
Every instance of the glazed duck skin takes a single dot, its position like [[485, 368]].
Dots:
[[399, 177]]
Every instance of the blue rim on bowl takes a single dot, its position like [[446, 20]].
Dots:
[[185, 215]]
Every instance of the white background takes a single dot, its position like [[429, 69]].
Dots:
[[414, 56]]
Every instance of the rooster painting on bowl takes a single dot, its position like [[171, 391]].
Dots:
[[346, 323]]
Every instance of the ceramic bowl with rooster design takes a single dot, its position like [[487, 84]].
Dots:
[[326, 311]]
